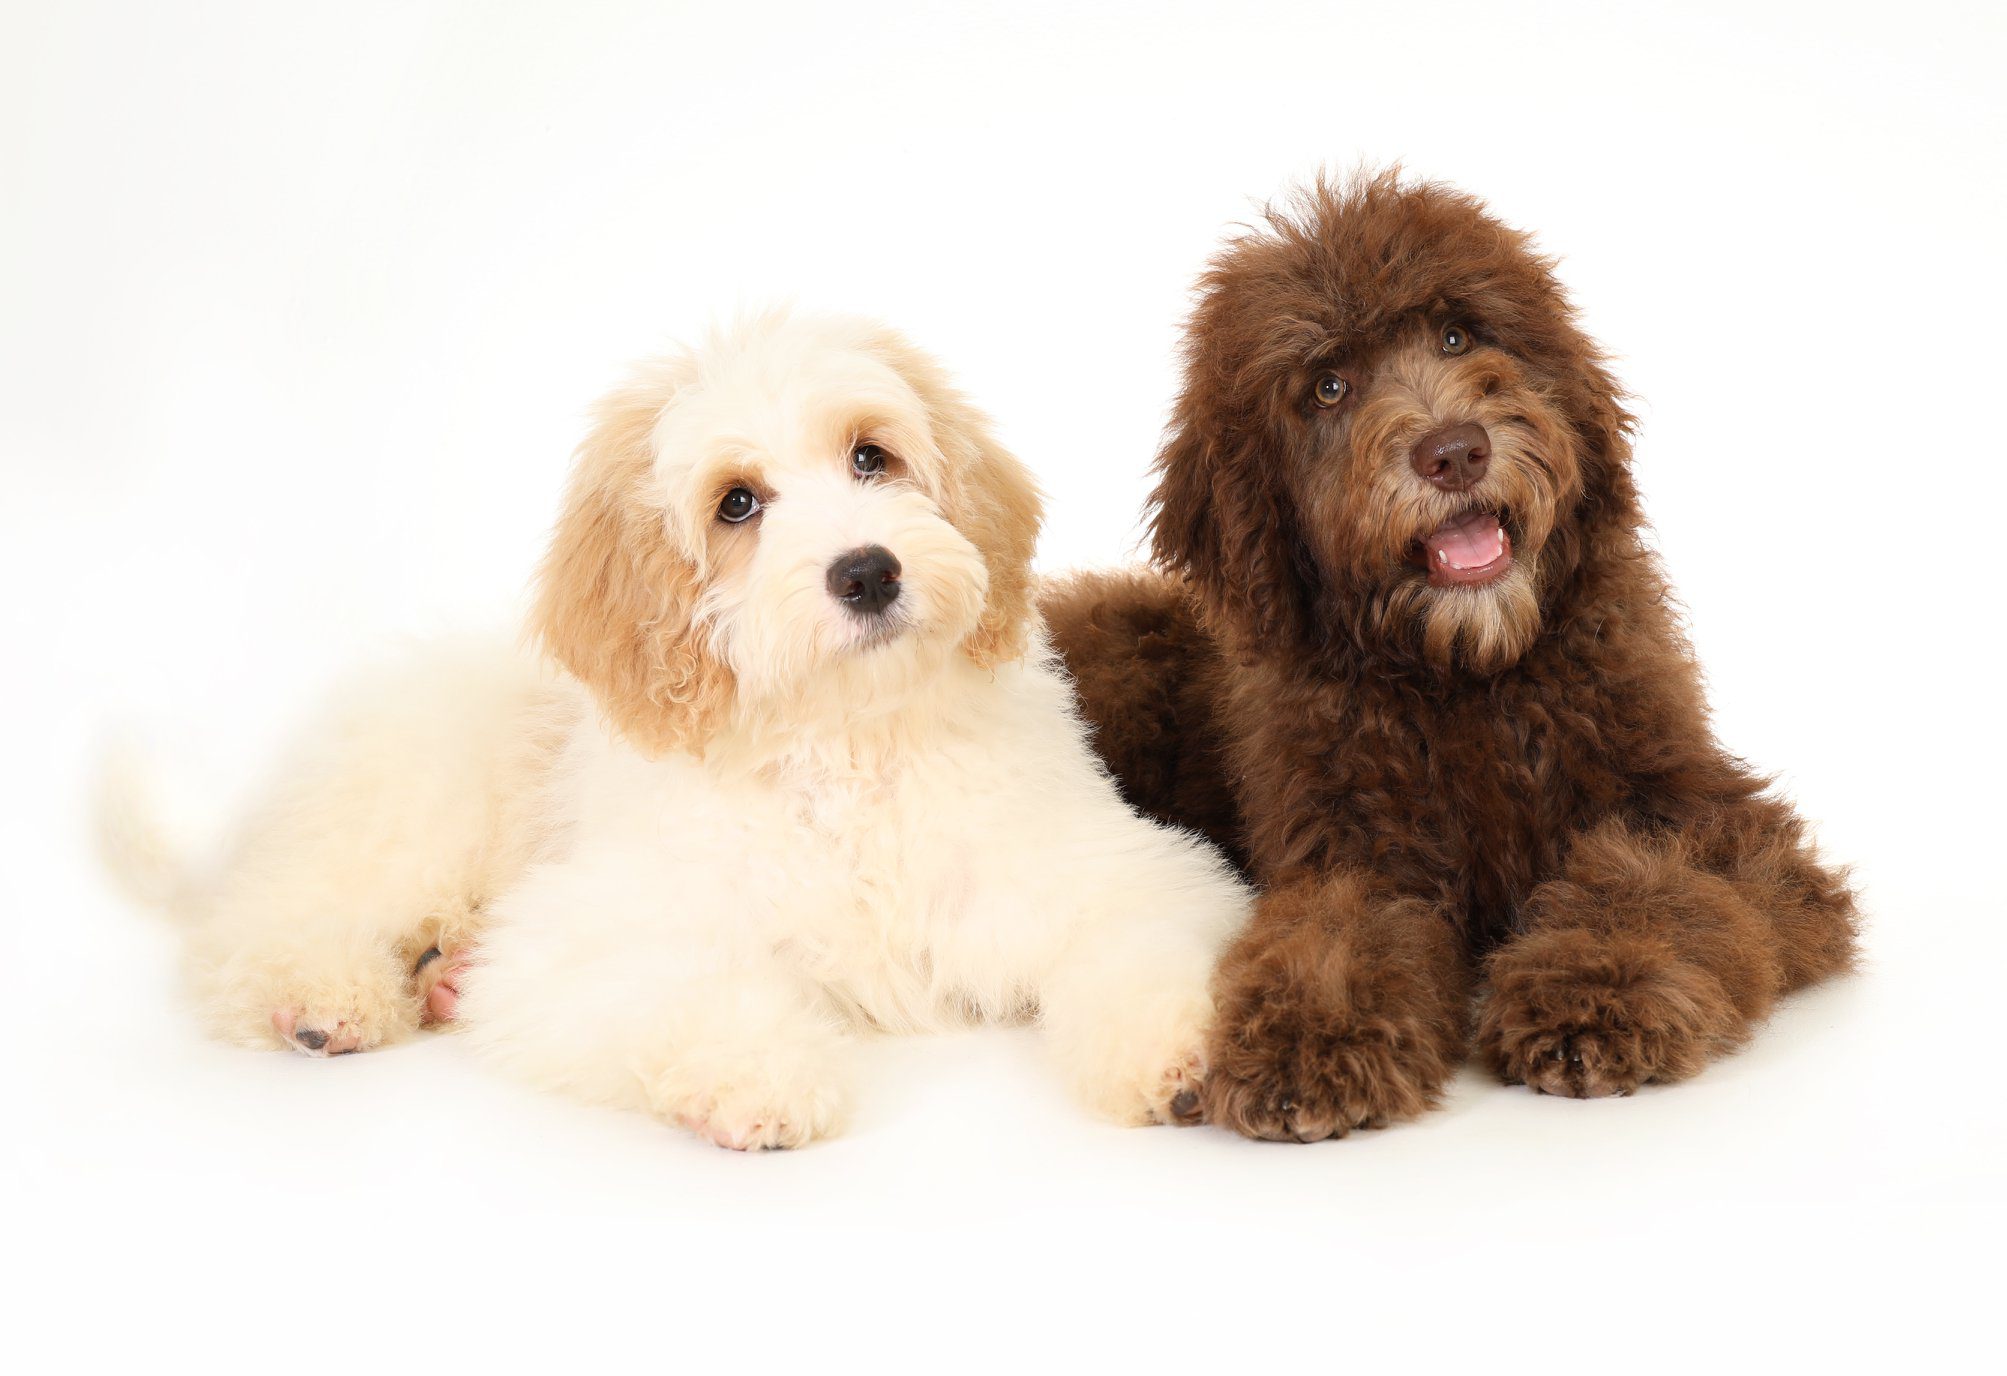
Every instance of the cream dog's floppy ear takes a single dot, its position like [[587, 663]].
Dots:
[[991, 499], [615, 598]]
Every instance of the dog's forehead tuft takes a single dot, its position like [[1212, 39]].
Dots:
[[1346, 268], [791, 392]]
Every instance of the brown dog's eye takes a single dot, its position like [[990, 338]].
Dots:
[[1456, 340], [867, 460], [738, 505], [1331, 389]]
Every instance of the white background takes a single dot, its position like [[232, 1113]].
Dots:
[[300, 309]]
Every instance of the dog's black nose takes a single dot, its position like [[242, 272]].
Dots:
[[1452, 458], [865, 580]]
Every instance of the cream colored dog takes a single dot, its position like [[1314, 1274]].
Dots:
[[807, 768]]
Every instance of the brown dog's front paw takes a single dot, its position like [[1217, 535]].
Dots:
[[1301, 1071], [1584, 1015], [1326, 1092], [1336, 1011]]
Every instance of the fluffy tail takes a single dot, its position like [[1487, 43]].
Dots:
[[133, 843]]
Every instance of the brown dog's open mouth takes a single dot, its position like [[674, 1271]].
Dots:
[[1466, 551]]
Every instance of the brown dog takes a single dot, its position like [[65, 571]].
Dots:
[[1414, 662]]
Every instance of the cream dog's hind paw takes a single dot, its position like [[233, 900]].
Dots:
[[323, 1031], [437, 982], [291, 1005]]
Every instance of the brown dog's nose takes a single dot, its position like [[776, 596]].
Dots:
[[1454, 457]]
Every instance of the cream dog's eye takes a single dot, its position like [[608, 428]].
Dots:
[[1331, 389], [1456, 340], [738, 505], [868, 459]]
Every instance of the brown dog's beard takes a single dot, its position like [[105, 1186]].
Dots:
[[1482, 629], [1380, 521]]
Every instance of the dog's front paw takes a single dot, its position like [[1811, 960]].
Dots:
[[1585, 1015], [751, 1119], [754, 1099], [1179, 1091], [1325, 1085], [1300, 1062], [1150, 1068]]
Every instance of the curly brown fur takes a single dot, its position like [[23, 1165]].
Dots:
[[1450, 765], [1345, 1010], [1148, 679]]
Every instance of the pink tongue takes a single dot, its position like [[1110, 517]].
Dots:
[[1470, 541]]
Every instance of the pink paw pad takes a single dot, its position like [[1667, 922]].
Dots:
[[316, 1036], [438, 977]]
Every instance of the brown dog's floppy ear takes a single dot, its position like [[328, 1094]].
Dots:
[[992, 500], [1604, 423], [1183, 535], [615, 598], [1219, 517]]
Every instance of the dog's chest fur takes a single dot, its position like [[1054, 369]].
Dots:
[[1464, 793], [884, 875], [1506, 775]]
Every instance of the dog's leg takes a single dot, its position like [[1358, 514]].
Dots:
[[1339, 1009], [1128, 1006], [743, 1057], [592, 980], [751, 1066], [339, 942], [405, 807], [1651, 954], [350, 970]]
